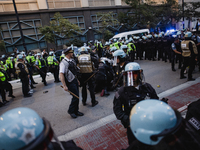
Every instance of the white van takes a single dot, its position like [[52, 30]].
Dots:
[[127, 35]]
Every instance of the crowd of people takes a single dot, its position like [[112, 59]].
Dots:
[[110, 68]]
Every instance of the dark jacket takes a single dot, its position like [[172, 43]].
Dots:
[[127, 97]]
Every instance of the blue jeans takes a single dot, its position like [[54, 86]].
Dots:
[[74, 88]]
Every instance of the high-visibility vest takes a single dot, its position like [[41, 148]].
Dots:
[[9, 63], [130, 47], [62, 56], [39, 62], [2, 76], [50, 60]]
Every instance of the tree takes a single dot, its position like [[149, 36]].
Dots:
[[150, 13], [59, 26], [191, 10], [106, 21]]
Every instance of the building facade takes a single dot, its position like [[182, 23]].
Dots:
[[36, 13]]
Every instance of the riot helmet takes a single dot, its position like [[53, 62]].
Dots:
[[51, 53], [132, 74], [113, 49], [23, 128], [124, 48], [119, 56], [188, 34], [153, 120], [19, 57], [84, 50]]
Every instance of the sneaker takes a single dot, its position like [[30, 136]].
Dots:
[[95, 103], [102, 93]]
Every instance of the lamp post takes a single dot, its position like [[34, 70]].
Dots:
[[19, 24], [183, 14]]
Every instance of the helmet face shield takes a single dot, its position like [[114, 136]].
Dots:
[[115, 61], [131, 78]]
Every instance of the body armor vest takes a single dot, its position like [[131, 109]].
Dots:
[[85, 63], [185, 48], [17, 68]]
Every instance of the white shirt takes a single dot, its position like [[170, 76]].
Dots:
[[62, 65]]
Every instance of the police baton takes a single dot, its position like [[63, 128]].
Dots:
[[118, 80], [71, 92], [91, 76]]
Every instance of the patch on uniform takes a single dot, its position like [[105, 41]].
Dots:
[[183, 45], [117, 95]]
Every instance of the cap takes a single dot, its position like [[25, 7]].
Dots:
[[68, 50]]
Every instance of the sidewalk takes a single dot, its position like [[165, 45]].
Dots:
[[108, 133]]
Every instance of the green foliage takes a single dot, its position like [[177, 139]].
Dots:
[[2, 46], [75, 42], [106, 20], [60, 26], [48, 32], [63, 26], [191, 9], [107, 35], [150, 13]]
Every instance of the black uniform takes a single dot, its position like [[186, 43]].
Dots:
[[126, 98], [103, 77], [91, 84], [5, 85], [118, 79], [175, 56], [23, 75], [159, 48]]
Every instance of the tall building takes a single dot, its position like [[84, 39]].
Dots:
[[36, 13]]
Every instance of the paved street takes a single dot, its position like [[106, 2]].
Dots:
[[52, 102]]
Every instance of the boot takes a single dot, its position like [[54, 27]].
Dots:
[[106, 92]]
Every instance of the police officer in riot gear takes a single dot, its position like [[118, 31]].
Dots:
[[133, 91], [30, 64], [5, 85], [53, 66], [157, 126], [119, 64], [68, 76], [41, 65], [189, 52], [131, 50], [85, 63], [29, 131], [175, 53], [23, 73], [103, 76]]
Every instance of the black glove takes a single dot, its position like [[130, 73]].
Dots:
[[165, 100]]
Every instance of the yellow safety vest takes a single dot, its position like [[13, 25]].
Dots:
[[2, 76]]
